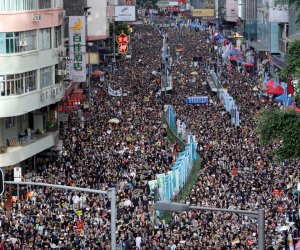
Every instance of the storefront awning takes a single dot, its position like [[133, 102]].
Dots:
[[258, 46], [293, 37], [278, 61]]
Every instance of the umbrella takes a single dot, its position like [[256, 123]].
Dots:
[[255, 88], [248, 64], [235, 52], [270, 83], [278, 90], [236, 57], [98, 73], [194, 73], [114, 120], [129, 139]]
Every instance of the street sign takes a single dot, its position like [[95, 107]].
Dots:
[[1, 182]]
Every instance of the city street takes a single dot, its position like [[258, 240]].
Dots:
[[121, 141]]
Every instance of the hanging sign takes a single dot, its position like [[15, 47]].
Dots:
[[123, 41]]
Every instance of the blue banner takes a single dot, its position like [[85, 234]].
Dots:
[[197, 100]]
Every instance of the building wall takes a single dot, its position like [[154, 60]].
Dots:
[[231, 10], [293, 26], [97, 21], [74, 8]]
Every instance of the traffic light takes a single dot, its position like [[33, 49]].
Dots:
[[1, 182]]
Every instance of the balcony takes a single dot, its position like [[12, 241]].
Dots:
[[28, 147], [16, 105]]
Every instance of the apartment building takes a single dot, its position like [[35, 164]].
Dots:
[[31, 78]]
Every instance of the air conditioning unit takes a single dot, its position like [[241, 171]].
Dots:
[[22, 43], [61, 72], [62, 53], [36, 17]]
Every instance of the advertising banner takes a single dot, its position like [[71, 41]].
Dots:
[[161, 185], [125, 13], [77, 44], [203, 12]]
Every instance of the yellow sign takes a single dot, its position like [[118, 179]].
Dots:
[[203, 12], [77, 25]]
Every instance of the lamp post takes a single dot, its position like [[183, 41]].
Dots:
[[180, 207], [90, 44]]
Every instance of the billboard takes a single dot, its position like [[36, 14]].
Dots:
[[77, 48], [125, 13], [97, 22], [203, 12], [94, 58]]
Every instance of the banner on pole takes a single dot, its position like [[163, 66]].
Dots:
[[77, 46]]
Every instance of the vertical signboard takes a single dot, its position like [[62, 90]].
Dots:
[[77, 43]]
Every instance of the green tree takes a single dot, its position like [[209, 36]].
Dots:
[[292, 65], [280, 128], [281, 3]]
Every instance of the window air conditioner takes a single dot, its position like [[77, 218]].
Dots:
[[22, 43]]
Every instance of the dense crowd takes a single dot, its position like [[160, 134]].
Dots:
[[128, 153]]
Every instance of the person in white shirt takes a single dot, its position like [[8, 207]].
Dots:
[[138, 241]]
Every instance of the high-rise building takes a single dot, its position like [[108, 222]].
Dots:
[[31, 78]]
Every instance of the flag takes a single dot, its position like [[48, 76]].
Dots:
[[297, 246]]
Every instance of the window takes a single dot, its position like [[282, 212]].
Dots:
[[21, 5], [46, 77], [2, 86], [9, 122], [45, 39], [15, 42], [18, 84], [58, 36], [9, 42], [30, 38]]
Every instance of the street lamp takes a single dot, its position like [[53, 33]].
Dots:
[[110, 194], [90, 44], [180, 207]]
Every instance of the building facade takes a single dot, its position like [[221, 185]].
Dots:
[[31, 78]]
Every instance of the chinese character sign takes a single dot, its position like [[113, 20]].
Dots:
[[123, 41], [77, 49]]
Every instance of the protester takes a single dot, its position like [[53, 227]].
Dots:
[[126, 154]]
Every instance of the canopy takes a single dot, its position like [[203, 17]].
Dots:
[[98, 73], [278, 90], [114, 120], [270, 83], [248, 64], [290, 88]]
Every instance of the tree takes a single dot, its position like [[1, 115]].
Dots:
[[282, 129], [292, 67], [281, 3]]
